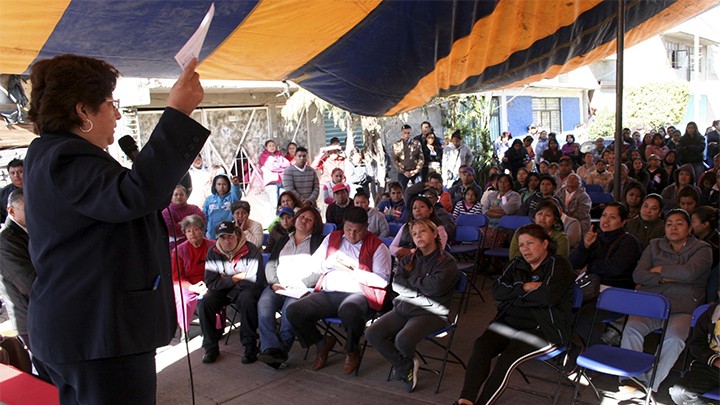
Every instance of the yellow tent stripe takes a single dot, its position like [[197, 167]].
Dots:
[[668, 18], [280, 36], [24, 28], [471, 55]]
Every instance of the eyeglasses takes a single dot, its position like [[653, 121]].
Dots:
[[115, 103]]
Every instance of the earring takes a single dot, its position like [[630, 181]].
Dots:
[[89, 129]]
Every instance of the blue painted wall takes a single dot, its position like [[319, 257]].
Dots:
[[570, 111], [519, 113]]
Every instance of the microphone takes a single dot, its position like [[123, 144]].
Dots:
[[129, 147]]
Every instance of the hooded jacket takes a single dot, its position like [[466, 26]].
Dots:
[[670, 193], [683, 276], [549, 306], [217, 208]]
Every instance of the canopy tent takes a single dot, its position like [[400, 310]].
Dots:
[[370, 57]]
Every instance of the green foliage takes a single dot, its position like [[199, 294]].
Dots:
[[470, 113], [648, 106], [654, 104]]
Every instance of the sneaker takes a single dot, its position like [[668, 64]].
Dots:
[[411, 376], [250, 355], [211, 356], [273, 357]]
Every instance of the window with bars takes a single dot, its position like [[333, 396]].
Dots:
[[546, 113]]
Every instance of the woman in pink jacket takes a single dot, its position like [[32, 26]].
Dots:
[[272, 165]]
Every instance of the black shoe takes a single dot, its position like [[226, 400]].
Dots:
[[411, 377], [211, 356], [273, 357], [250, 355]]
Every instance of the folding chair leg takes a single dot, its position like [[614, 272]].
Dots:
[[576, 383], [232, 326]]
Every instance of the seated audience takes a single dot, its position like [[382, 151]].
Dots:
[[684, 176], [609, 253], [354, 274], [422, 208], [710, 189], [435, 181], [676, 266], [424, 283], [176, 212], [377, 224], [704, 348], [469, 205], [601, 176], [188, 269], [335, 211], [688, 199], [530, 187], [576, 201], [285, 223], [252, 230], [234, 272], [638, 172], [587, 167], [548, 186], [337, 178], [548, 216], [649, 224], [705, 221], [504, 201], [533, 296], [290, 268], [467, 179], [394, 207], [633, 195], [657, 176]]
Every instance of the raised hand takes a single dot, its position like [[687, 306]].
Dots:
[[187, 92]]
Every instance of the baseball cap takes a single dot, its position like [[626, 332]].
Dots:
[[339, 187], [225, 228], [286, 211]]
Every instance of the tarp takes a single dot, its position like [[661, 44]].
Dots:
[[370, 57]]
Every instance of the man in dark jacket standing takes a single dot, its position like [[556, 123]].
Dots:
[[16, 269]]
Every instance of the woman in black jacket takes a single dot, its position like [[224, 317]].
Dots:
[[533, 296]]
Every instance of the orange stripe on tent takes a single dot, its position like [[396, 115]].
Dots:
[[668, 18], [473, 54], [280, 36], [24, 28]]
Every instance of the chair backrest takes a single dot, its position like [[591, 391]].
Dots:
[[594, 188], [513, 222], [266, 258], [476, 220], [466, 233], [328, 228], [697, 313], [394, 228], [600, 197], [387, 241], [631, 302], [266, 236], [577, 296]]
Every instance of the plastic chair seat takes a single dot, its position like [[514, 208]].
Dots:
[[497, 252], [616, 360], [462, 249], [714, 394]]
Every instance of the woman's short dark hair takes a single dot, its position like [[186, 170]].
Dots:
[[317, 219], [538, 232], [633, 185], [473, 190], [293, 197], [268, 141], [244, 205], [622, 209], [708, 214], [678, 211], [425, 201], [552, 205], [527, 179], [509, 179], [60, 83]]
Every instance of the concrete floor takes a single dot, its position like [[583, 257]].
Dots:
[[229, 382]]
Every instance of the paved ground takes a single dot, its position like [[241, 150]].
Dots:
[[229, 382]]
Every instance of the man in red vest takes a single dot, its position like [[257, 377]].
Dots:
[[354, 267]]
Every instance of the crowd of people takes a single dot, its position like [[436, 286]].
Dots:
[[387, 261]]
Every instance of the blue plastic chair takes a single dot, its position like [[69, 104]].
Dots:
[[598, 198], [328, 229], [714, 394], [619, 361], [595, 188], [469, 233], [507, 223], [266, 236], [693, 321], [394, 228]]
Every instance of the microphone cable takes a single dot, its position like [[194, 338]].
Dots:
[[182, 305]]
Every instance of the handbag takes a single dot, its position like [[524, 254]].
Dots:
[[589, 283]]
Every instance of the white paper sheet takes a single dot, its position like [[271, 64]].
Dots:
[[192, 47], [296, 293]]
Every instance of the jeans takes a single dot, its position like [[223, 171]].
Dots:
[[678, 329], [404, 180], [395, 336], [270, 336]]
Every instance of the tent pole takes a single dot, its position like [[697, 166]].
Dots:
[[619, 63]]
